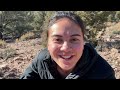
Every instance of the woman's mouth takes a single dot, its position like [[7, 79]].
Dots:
[[66, 57]]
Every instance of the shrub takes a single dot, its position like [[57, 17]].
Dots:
[[116, 32], [27, 36]]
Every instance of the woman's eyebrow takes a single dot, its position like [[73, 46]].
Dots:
[[56, 36], [76, 35], [62, 36]]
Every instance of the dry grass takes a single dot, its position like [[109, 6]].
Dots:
[[7, 53], [27, 36], [2, 44]]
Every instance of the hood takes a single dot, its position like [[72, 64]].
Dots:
[[85, 63]]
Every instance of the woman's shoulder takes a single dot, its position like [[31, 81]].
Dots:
[[43, 54], [103, 69]]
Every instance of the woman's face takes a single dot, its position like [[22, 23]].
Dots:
[[65, 43]]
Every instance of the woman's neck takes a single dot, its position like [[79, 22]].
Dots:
[[63, 73]]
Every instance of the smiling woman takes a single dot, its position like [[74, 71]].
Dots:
[[67, 56], [65, 44]]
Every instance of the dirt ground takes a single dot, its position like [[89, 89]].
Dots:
[[14, 66]]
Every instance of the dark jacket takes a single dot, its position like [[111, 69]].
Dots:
[[90, 66]]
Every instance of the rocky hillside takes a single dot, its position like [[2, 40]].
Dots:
[[17, 56]]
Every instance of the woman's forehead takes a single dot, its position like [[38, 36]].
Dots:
[[65, 24], [65, 33]]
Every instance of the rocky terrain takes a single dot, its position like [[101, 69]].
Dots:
[[13, 66], [20, 54]]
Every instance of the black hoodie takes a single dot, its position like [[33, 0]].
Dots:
[[90, 66]]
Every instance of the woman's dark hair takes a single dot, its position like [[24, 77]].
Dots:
[[62, 14]]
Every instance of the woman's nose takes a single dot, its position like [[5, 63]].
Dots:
[[66, 47]]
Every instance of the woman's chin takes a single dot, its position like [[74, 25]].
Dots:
[[66, 67]]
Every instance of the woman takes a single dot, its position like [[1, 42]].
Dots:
[[67, 56]]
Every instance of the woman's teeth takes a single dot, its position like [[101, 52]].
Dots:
[[66, 57]]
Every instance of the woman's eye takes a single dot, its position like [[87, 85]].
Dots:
[[58, 40], [74, 40]]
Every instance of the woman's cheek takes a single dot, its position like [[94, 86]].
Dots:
[[78, 48], [54, 47]]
